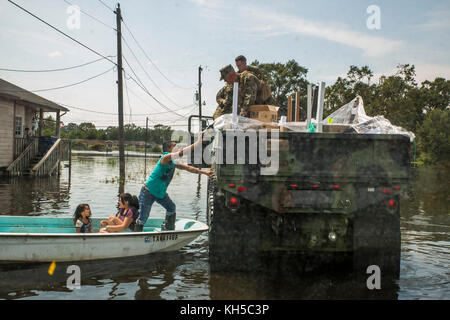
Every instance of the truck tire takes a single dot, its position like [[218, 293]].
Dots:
[[234, 238]]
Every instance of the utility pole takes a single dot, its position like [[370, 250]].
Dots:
[[120, 100], [200, 97]]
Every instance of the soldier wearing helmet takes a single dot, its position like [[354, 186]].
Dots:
[[248, 87]]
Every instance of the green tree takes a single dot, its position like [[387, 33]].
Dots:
[[345, 89], [49, 127], [284, 79], [436, 94], [160, 133], [434, 138]]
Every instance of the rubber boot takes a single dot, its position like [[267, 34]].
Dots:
[[138, 227], [169, 224]]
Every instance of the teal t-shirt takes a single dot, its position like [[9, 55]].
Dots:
[[160, 178]]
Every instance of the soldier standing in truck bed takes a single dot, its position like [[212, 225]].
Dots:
[[248, 87], [224, 100], [264, 90]]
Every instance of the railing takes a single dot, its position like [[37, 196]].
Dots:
[[60, 151], [22, 162], [21, 143]]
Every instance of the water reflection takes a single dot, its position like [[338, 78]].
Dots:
[[424, 272], [29, 196], [338, 284], [425, 227]]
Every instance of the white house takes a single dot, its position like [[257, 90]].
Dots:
[[21, 117]]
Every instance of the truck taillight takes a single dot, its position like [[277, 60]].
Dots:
[[396, 188], [233, 202], [335, 187], [231, 185], [241, 189], [315, 186], [392, 203]]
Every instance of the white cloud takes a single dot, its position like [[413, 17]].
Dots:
[[268, 23], [208, 3], [54, 54], [437, 20], [272, 23], [430, 71]]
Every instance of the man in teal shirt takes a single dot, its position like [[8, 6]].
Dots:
[[156, 185]]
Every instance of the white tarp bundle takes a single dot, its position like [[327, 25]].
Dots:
[[353, 113]]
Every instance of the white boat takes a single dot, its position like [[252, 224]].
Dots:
[[46, 239]]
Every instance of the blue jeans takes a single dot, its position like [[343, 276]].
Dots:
[[146, 200]]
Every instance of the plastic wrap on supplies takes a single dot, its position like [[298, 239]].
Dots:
[[349, 118], [225, 122], [381, 125], [353, 114]]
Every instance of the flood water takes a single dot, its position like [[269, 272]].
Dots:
[[424, 266]]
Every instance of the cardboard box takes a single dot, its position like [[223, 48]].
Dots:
[[264, 113]]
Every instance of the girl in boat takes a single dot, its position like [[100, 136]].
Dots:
[[125, 218], [82, 218]]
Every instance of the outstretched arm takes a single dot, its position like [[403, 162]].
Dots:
[[192, 169], [178, 154]]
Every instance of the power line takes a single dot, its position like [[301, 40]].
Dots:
[[115, 114], [63, 33], [151, 61], [128, 99], [66, 86], [146, 103], [54, 70], [92, 17], [108, 7], [138, 82], [146, 73], [142, 86]]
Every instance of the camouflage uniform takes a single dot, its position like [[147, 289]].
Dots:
[[249, 86], [248, 89], [257, 73], [224, 100]]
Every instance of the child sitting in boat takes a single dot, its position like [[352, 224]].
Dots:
[[125, 218], [82, 218]]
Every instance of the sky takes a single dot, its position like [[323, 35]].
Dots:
[[174, 38]]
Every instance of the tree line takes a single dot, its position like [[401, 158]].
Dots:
[[87, 131]]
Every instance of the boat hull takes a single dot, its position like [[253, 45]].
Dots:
[[58, 247]]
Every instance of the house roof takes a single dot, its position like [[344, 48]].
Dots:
[[11, 91]]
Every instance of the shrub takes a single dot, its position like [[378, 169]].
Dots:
[[79, 145], [156, 148], [97, 147]]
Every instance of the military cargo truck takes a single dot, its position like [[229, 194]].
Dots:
[[334, 194]]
